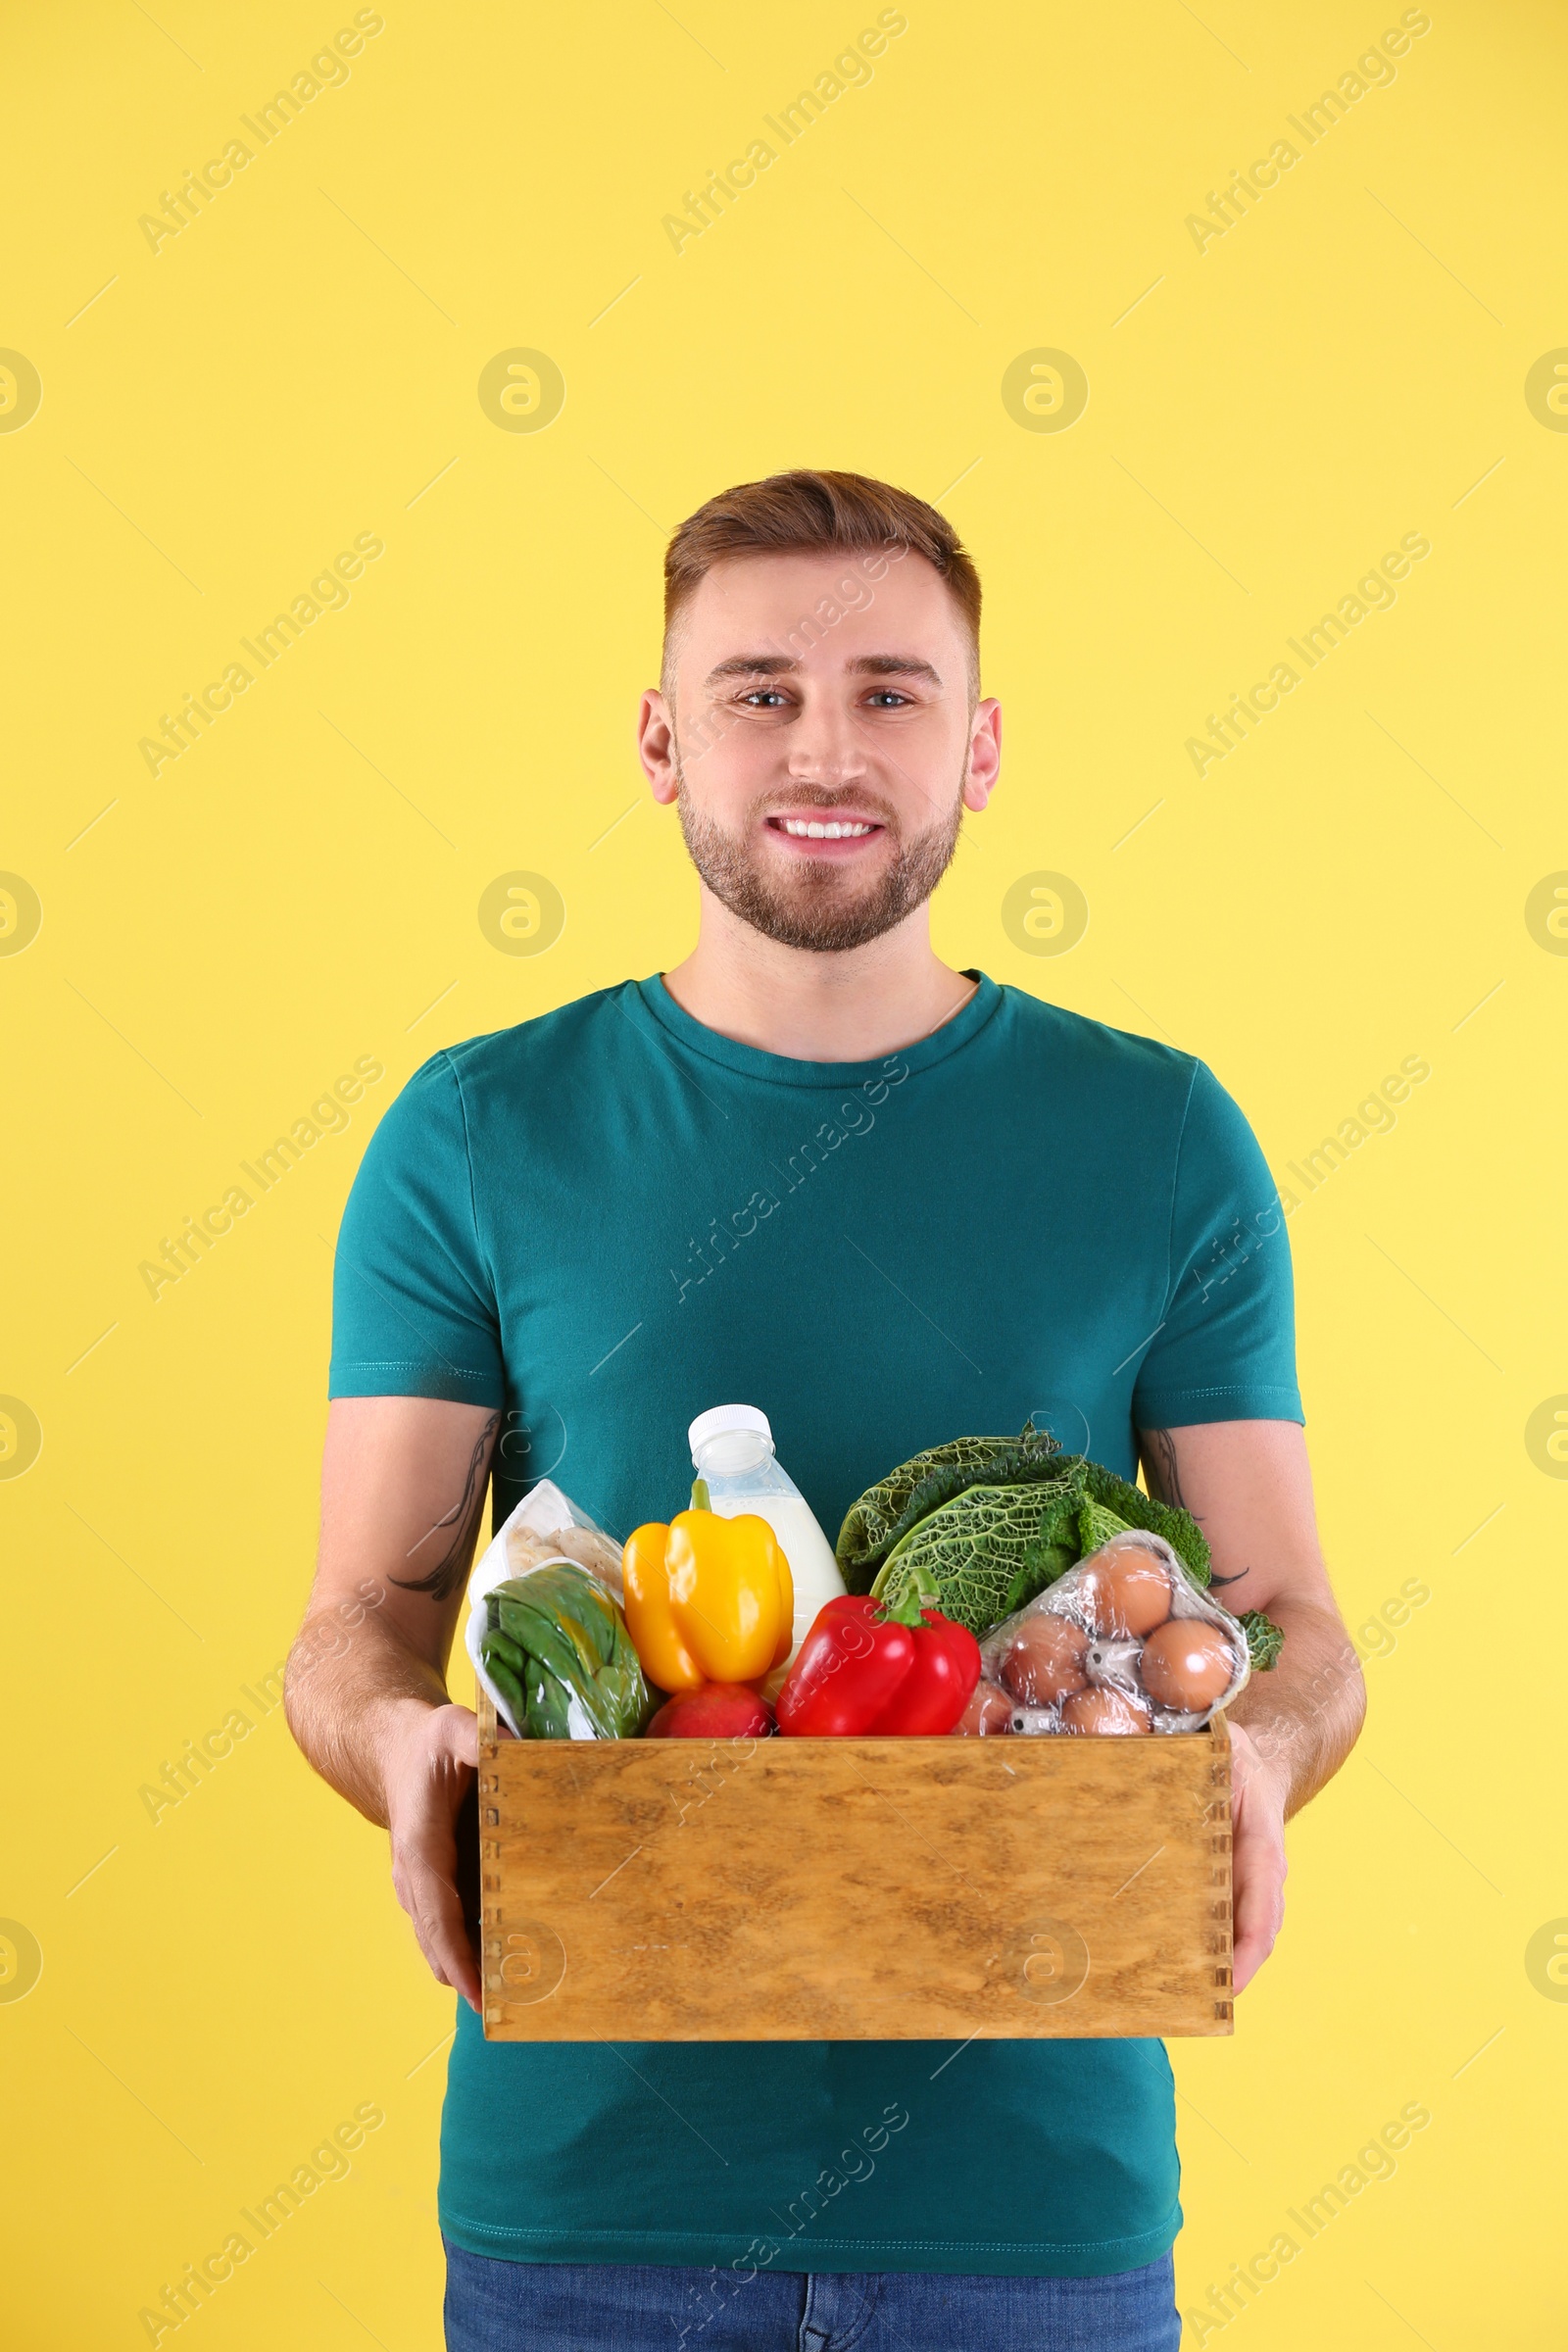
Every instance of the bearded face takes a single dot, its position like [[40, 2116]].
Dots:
[[821, 749], [808, 892]]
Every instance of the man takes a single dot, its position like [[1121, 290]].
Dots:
[[816, 1168]]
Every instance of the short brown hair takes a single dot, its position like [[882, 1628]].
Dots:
[[805, 510]]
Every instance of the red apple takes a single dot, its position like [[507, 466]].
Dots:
[[714, 1711]]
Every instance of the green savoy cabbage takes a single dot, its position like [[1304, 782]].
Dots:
[[995, 1520]]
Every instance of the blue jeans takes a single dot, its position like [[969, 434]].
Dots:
[[496, 2306]]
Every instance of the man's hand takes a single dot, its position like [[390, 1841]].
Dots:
[[402, 1488], [1259, 1792], [1247, 1485], [431, 1756]]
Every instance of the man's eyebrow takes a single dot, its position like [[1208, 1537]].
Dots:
[[895, 665], [866, 666], [752, 665]]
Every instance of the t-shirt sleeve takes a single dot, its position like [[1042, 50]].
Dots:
[[1226, 1348], [413, 1307]]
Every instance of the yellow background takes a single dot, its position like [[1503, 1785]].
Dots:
[[301, 887]]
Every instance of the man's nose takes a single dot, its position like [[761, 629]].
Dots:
[[825, 747]]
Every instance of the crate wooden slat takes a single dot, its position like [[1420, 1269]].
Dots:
[[844, 1890]]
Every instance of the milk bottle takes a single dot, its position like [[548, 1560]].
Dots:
[[732, 1451]]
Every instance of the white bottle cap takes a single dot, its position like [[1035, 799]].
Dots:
[[721, 1419]]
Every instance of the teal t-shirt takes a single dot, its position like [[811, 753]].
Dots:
[[607, 1219]]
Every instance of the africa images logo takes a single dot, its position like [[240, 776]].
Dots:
[[707, 206], [329, 592], [21, 391], [328, 69], [181, 1254]]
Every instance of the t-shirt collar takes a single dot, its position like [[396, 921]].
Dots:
[[784, 1069]]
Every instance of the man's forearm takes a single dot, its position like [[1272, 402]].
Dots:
[[1305, 1713], [342, 1697]]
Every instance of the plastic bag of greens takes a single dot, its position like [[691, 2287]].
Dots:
[[545, 1634]]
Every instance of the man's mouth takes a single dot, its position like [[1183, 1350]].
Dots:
[[826, 836]]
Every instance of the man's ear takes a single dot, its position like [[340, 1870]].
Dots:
[[985, 754], [656, 746]]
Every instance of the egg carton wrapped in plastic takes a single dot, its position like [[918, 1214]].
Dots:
[[1123, 1642], [545, 1634]]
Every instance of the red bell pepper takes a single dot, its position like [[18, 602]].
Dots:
[[864, 1671]]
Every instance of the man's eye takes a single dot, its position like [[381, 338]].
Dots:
[[888, 698], [759, 696]]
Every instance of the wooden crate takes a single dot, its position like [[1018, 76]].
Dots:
[[854, 1890]]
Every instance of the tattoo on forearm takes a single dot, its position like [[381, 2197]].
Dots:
[[450, 1570]]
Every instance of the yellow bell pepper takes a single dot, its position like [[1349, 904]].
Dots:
[[708, 1599]]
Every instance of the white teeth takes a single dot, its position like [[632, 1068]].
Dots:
[[802, 830]]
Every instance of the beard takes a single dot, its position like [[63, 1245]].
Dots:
[[821, 907]]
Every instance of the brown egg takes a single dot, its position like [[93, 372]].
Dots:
[[1103, 1710], [989, 1712], [1126, 1590], [1044, 1660], [1188, 1664]]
